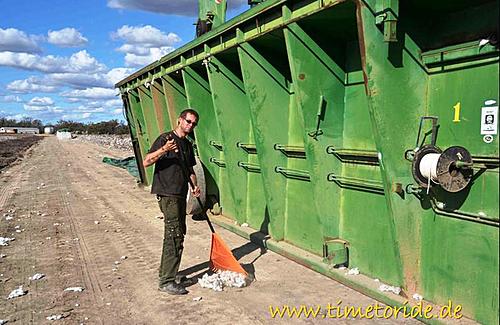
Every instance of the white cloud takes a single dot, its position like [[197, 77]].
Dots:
[[79, 62], [147, 36], [144, 44], [89, 109], [79, 80], [41, 101], [117, 111], [132, 60], [39, 104], [118, 74], [113, 103], [11, 99], [17, 117], [31, 85], [133, 49], [81, 116], [14, 40], [66, 37], [179, 7], [91, 93]]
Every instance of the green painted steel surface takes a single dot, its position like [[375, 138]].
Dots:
[[231, 106], [208, 135], [143, 137], [309, 118]]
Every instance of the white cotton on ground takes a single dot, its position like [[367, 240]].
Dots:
[[3, 321], [54, 317], [17, 293], [36, 276], [418, 297], [4, 241], [74, 289], [221, 279], [354, 271], [388, 288]]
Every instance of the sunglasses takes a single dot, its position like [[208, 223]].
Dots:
[[191, 122]]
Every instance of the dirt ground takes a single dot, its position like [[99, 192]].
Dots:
[[86, 224], [13, 146]]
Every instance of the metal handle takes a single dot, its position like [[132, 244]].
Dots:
[[249, 167], [355, 156], [249, 148], [319, 115], [291, 151], [354, 183], [297, 174], [216, 144], [218, 162], [434, 120]]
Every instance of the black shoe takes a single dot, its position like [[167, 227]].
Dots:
[[184, 280], [173, 288]]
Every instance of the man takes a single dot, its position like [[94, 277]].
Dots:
[[174, 159]]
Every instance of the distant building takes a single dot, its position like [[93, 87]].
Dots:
[[48, 130], [19, 130]]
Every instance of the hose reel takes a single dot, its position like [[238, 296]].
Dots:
[[451, 169]]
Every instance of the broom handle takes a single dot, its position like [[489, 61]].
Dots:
[[201, 206]]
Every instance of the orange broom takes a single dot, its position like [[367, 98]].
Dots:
[[221, 257]]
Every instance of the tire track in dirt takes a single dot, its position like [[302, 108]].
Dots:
[[140, 260]]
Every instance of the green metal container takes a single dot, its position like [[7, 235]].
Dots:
[[361, 132]]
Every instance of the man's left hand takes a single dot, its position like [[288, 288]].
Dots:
[[196, 191]]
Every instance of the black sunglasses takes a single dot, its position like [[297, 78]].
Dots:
[[190, 122]]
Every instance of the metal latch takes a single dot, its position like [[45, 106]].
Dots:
[[336, 251]]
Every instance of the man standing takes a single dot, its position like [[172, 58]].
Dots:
[[174, 159]]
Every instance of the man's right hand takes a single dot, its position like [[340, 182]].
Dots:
[[169, 146]]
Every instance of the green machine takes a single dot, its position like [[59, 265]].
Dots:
[[359, 133]]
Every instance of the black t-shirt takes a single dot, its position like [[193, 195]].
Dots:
[[169, 178]]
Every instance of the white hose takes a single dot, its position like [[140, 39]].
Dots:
[[428, 166]]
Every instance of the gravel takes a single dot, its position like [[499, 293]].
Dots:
[[119, 142]]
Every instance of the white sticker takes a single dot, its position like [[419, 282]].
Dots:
[[489, 120]]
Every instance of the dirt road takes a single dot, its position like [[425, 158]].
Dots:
[[83, 223]]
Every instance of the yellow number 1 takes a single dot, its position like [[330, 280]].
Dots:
[[456, 118]]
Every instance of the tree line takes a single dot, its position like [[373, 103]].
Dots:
[[104, 127]]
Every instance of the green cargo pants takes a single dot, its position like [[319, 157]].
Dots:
[[174, 212]]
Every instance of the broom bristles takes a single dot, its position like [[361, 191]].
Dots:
[[221, 257]]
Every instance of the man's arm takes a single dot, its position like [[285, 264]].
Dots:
[[196, 190], [152, 158]]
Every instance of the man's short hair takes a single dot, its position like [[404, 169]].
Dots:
[[187, 111]]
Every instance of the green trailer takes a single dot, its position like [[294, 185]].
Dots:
[[356, 133]]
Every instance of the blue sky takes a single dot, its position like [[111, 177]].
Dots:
[[60, 59]]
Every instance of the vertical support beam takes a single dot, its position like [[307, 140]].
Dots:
[[231, 106], [327, 94], [318, 83], [148, 110], [133, 135], [160, 105], [142, 132], [277, 120], [207, 133], [175, 96]]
